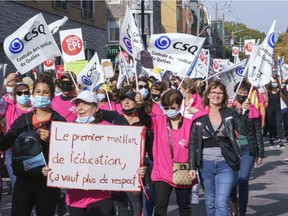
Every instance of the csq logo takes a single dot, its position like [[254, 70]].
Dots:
[[164, 43], [128, 44], [86, 80], [239, 71], [16, 46], [271, 40]]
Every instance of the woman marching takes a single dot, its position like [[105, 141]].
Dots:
[[30, 191], [213, 148]]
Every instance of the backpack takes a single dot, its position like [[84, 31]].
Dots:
[[27, 156]]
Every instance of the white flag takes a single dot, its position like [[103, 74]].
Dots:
[[55, 26], [122, 70], [282, 69], [200, 70], [49, 64], [249, 44], [175, 51], [231, 76], [92, 74], [130, 38], [261, 62], [31, 44], [72, 44]]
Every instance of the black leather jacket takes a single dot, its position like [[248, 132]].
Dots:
[[232, 122]]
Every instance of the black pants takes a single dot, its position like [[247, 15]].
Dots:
[[101, 208], [163, 192], [274, 117], [28, 193]]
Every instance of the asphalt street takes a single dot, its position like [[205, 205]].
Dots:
[[268, 189]]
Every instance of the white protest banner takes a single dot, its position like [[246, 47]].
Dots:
[[95, 157], [175, 51], [249, 44], [261, 60], [55, 26], [108, 69], [235, 51], [231, 76], [31, 44], [130, 39], [92, 74], [72, 45], [200, 70], [282, 68], [49, 64]]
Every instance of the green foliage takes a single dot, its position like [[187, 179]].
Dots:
[[281, 47]]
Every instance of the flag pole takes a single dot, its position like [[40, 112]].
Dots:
[[133, 55]]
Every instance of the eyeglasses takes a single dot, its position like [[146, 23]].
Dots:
[[142, 86], [19, 93], [213, 93], [170, 108]]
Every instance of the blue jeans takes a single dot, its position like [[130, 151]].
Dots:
[[217, 179], [246, 164], [8, 160]]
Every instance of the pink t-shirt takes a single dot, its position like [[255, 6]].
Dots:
[[195, 102], [156, 110], [64, 108], [12, 112], [83, 198], [162, 167], [107, 107]]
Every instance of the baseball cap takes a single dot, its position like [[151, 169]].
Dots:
[[87, 96], [68, 76], [130, 95]]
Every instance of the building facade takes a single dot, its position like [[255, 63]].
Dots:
[[87, 15]]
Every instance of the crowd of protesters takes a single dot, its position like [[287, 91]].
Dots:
[[187, 121]]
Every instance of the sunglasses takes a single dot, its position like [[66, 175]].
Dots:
[[19, 93], [142, 86]]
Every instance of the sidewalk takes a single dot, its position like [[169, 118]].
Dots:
[[268, 189]]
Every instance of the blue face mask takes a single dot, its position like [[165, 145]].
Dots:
[[86, 119], [23, 99], [9, 89], [101, 96], [144, 92], [274, 85], [40, 101], [172, 113], [283, 85]]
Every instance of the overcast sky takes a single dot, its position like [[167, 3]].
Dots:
[[254, 14]]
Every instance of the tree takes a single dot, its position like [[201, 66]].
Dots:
[[281, 47], [238, 32]]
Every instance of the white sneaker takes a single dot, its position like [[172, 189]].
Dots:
[[195, 200]]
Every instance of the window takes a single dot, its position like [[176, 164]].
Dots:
[[88, 9], [113, 30], [113, 1], [60, 4]]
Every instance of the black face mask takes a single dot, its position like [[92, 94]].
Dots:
[[155, 97], [241, 99], [66, 87], [129, 111]]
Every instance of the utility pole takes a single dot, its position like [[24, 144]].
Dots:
[[198, 18], [223, 39], [143, 23], [216, 12]]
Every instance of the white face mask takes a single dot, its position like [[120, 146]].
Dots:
[[86, 119], [101, 97], [144, 92], [172, 113]]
